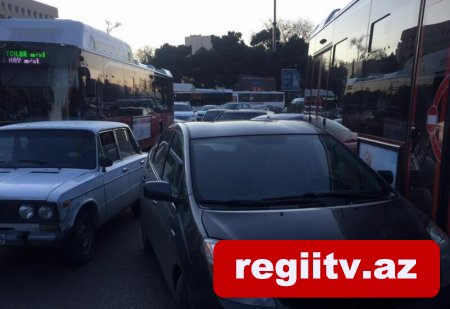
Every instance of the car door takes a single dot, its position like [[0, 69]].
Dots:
[[115, 177], [133, 161], [153, 172], [166, 215]]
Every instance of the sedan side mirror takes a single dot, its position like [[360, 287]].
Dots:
[[105, 162], [158, 190], [387, 175]]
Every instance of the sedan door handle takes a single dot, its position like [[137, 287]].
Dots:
[[124, 170]]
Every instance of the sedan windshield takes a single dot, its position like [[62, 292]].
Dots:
[[280, 170], [47, 149]]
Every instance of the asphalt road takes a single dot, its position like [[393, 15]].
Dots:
[[121, 274]]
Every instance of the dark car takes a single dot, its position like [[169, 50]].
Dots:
[[283, 116], [236, 106], [243, 114], [206, 182], [202, 111], [212, 114], [134, 111], [336, 129]]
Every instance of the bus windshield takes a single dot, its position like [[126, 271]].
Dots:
[[35, 81]]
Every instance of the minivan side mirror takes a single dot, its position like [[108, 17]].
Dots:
[[158, 190], [387, 175]]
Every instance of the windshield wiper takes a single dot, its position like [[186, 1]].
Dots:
[[38, 162], [234, 203], [319, 195], [263, 202]]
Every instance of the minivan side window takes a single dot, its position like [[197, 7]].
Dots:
[[161, 152], [174, 166]]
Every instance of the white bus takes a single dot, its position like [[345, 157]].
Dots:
[[63, 69], [259, 99]]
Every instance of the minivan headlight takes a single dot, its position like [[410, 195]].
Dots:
[[439, 237], [208, 248], [45, 212], [26, 212]]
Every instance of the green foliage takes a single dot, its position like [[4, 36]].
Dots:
[[231, 58]]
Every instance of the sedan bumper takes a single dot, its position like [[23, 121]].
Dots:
[[19, 238]]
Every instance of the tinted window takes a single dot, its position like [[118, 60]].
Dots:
[[265, 167], [161, 152], [173, 169], [238, 116], [211, 115], [48, 148]]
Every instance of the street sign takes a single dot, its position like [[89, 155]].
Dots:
[[290, 80]]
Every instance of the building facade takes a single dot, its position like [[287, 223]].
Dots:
[[197, 42], [26, 9]]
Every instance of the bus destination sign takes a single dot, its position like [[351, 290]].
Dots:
[[23, 57]]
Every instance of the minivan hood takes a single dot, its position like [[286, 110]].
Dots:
[[34, 184], [389, 220]]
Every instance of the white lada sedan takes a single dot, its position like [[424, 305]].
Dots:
[[60, 180]]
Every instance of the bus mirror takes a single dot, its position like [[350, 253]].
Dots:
[[91, 88]]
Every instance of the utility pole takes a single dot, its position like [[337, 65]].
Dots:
[[274, 37]]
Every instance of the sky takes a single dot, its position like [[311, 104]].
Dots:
[[156, 22]]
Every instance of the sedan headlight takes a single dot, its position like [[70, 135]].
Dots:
[[26, 212], [45, 212]]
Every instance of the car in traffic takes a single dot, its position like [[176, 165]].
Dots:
[[236, 106], [60, 180], [202, 111], [212, 114], [335, 128], [253, 180], [282, 116], [183, 111], [242, 114], [134, 111]]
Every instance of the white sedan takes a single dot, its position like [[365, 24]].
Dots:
[[183, 111], [60, 180]]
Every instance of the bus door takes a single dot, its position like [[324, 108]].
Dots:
[[429, 158]]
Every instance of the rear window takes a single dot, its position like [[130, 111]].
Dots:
[[239, 116]]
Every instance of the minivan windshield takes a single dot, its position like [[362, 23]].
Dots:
[[285, 169]]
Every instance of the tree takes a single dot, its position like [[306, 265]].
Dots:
[[286, 29], [112, 25], [145, 54], [173, 58]]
